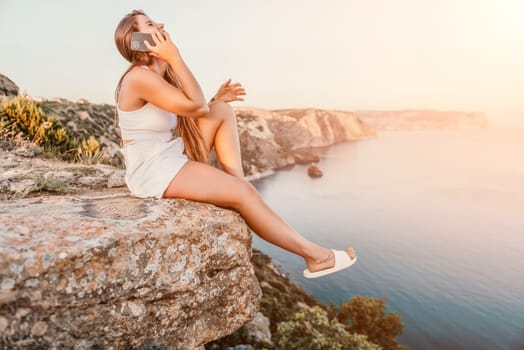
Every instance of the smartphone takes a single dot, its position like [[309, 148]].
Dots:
[[137, 41]]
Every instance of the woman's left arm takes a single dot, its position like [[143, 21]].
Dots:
[[228, 92]]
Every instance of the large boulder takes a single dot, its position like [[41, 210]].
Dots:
[[112, 271]]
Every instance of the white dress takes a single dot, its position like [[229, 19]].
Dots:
[[152, 157]]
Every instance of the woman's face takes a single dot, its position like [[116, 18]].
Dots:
[[147, 25]]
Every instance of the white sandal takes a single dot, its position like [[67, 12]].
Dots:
[[342, 261]]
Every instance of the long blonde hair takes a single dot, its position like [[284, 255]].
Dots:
[[187, 127]]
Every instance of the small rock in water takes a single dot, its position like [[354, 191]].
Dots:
[[314, 171]]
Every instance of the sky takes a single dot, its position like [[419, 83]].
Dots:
[[463, 55]]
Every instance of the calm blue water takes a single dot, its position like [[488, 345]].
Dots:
[[437, 219]]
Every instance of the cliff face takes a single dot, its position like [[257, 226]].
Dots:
[[271, 139], [302, 128], [110, 270], [422, 119]]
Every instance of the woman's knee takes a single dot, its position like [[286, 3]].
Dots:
[[222, 110], [245, 193]]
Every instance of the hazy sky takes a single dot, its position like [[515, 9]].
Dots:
[[334, 54]]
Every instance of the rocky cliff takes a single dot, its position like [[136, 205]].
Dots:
[[422, 119], [106, 269], [85, 265], [91, 228], [269, 139]]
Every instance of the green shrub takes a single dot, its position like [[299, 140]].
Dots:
[[89, 151], [366, 315], [310, 329], [22, 117]]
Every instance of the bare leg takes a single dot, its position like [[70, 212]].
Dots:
[[203, 183], [219, 129]]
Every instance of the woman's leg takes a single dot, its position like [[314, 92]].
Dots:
[[201, 182], [219, 129]]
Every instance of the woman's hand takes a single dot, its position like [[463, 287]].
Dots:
[[228, 92], [164, 48]]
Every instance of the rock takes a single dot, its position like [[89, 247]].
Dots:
[[304, 128], [28, 150], [7, 87], [21, 187], [116, 179], [258, 329], [21, 176], [3, 324], [305, 156], [99, 270], [314, 171], [241, 347], [260, 152], [275, 139]]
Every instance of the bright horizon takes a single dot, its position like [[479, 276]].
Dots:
[[351, 55]]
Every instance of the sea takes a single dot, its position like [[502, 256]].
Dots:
[[437, 220]]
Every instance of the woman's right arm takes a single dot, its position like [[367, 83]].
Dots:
[[188, 101]]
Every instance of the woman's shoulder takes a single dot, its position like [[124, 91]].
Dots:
[[137, 79], [129, 96], [137, 72]]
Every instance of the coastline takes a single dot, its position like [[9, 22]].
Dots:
[[270, 141], [261, 175]]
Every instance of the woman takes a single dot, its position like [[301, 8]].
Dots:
[[158, 87]]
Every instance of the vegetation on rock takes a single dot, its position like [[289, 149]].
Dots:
[[22, 118], [299, 321], [311, 329], [368, 316]]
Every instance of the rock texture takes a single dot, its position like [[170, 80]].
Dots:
[[23, 173], [310, 127], [7, 87], [258, 330], [422, 119], [112, 271], [261, 154]]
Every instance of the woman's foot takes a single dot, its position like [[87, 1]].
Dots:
[[326, 259]]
